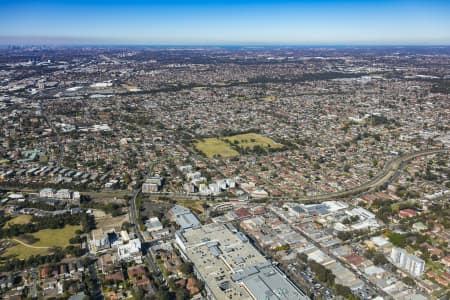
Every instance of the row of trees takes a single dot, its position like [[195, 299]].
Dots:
[[304, 77], [14, 264], [39, 223], [114, 209], [326, 276]]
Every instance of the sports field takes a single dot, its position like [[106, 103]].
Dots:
[[212, 147], [55, 237], [23, 252], [48, 238], [249, 140], [223, 147]]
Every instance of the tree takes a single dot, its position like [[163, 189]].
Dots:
[[75, 240], [408, 281], [303, 257], [343, 291], [127, 179], [369, 254], [138, 294], [162, 294], [380, 259], [181, 294], [126, 225], [322, 273], [345, 235], [187, 268]]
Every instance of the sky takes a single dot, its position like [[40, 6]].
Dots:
[[245, 22]]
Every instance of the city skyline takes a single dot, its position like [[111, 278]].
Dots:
[[324, 22]]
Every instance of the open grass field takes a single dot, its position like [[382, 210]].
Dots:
[[116, 196], [253, 139], [193, 205], [21, 219], [55, 237], [48, 238], [23, 252], [270, 98], [199, 88], [212, 147], [109, 222]]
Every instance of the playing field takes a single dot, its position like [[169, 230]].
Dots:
[[55, 237], [223, 147], [249, 140], [20, 219], [48, 238], [23, 252], [212, 147]]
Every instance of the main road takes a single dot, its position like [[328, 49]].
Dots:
[[58, 139], [134, 220], [390, 171]]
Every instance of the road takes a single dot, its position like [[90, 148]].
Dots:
[[389, 173], [58, 140], [390, 170], [33, 287], [147, 258], [333, 256]]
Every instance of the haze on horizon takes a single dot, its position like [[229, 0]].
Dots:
[[322, 22]]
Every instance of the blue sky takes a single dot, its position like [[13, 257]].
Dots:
[[318, 22]]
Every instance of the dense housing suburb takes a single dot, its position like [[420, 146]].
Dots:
[[224, 173]]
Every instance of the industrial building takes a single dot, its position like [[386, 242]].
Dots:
[[184, 217], [231, 267]]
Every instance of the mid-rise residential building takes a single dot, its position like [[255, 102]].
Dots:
[[408, 262], [100, 240], [47, 193], [152, 185], [129, 251]]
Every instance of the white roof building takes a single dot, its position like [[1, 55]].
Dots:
[[47, 193], [153, 224], [63, 194], [408, 262], [130, 251]]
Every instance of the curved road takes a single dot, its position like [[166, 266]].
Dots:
[[390, 170]]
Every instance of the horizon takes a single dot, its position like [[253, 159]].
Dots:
[[222, 23], [222, 46]]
